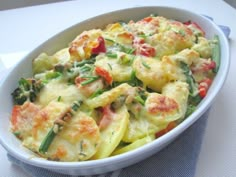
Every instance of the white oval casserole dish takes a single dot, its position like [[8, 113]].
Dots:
[[61, 40]]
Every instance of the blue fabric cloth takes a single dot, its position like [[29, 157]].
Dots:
[[178, 159]]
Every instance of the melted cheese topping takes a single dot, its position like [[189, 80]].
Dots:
[[57, 89], [78, 141]]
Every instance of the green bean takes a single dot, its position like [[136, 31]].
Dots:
[[216, 53]]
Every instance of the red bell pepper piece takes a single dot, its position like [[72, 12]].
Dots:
[[104, 74], [204, 86], [100, 48]]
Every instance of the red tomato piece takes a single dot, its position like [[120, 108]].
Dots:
[[204, 86], [107, 115], [104, 74], [100, 48], [147, 51], [147, 19], [14, 116]]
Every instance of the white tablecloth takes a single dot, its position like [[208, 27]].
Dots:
[[25, 28]]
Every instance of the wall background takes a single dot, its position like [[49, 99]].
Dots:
[[12, 4]]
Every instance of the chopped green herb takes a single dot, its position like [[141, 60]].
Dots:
[[129, 50], [59, 99], [110, 40], [85, 68], [111, 55], [139, 99], [122, 47], [142, 35], [76, 105], [82, 154], [90, 77], [52, 75], [124, 59], [109, 65], [115, 84], [142, 93], [83, 62], [134, 81], [196, 39], [47, 141], [98, 92], [90, 80], [182, 32], [81, 146], [146, 65]]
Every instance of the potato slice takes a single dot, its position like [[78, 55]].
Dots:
[[179, 92], [119, 72], [108, 97], [155, 73], [42, 122], [139, 128], [77, 141], [57, 88], [113, 133], [169, 106], [136, 144]]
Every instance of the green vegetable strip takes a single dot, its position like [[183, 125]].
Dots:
[[96, 93], [56, 128], [109, 65], [140, 100], [146, 65], [90, 80], [111, 55], [85, 68], [83, 62], [193, 99], [216, 53], [134, 81], [47, 141], [110, 40], [59, 99], [189, 78], [122, 47]]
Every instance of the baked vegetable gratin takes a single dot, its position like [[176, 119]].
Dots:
[[114, 89]]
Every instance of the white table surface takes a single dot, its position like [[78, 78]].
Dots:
[[25, 28]]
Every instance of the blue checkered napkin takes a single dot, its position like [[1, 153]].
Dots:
[[176, 160]]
